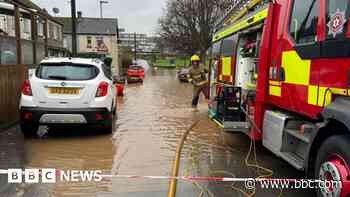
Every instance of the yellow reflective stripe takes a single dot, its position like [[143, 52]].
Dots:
[[241, 25], [313, 95], [197, 76], [322, 96], [202, 83], [221, 78], [251, 86], [339, 91], [218, 123], [275, 91], [226, 66], [297, 70], [275, 83]]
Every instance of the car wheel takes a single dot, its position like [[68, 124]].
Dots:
[[108, 127], [114, 110], [332, 164], [29, 130]]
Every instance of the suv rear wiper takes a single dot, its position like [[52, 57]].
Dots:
[[58, 77]]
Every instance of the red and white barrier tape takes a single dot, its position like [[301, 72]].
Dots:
[[184, 178]]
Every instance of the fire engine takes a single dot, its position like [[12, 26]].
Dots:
[[280, 72]]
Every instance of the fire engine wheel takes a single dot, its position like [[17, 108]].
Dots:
[[332, 167]]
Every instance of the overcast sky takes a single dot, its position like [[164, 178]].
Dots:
[[134, 15]]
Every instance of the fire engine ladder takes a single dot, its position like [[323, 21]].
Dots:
[[242, 8]]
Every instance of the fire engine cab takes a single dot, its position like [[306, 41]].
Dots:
[[280, 72]]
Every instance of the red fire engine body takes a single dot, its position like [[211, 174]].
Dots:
[[281, 74]]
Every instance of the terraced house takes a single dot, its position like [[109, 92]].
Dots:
[[98, 36], [28, 34]]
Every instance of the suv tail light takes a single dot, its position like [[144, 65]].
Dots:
[[102, 89], [26, 88]]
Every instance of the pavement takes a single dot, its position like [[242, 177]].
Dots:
[[151, 120]]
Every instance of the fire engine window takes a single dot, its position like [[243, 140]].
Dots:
[[228, 46], [303, 23], [216, 49], [337, 15]]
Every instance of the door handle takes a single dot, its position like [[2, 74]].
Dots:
[[282, 74]]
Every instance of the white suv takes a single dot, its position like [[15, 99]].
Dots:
[[68, 91]]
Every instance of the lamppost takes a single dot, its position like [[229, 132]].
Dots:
[[101, 3], [74, 28]]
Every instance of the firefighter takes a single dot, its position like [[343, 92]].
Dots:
[[197, 76]]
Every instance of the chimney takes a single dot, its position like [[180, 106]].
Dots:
[[80, 14]]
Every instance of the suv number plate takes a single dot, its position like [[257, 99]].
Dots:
[[71, 91]]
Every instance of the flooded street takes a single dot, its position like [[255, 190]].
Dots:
[[152, 117]]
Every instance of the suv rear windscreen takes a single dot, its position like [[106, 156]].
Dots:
[[73, 72]]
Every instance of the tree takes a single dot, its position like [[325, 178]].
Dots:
[[188, 25]]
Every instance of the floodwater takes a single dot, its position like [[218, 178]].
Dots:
[[151, 119]]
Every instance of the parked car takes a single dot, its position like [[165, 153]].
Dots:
[[136, 73], [120, 85], [183, 74], [68, 91]]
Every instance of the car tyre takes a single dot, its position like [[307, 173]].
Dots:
[[29, 130], [338, 145], [114, 110], [108, 127]]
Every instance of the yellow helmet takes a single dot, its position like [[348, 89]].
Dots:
[[195, 58]]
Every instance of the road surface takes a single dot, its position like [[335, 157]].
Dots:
[[151, 119]]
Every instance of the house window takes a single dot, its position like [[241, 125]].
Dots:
[[9, 25], [89, 42], [101, 46], [40, 27], [303, 24], [59, 32], [51, 30], [26, 25], [2, 24], [25, 28], [55, 31]]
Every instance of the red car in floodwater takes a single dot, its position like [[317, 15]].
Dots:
[[136, 73]]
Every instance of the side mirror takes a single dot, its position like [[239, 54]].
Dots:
[[31, 72]]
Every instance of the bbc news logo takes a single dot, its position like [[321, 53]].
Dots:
[[52, 176]]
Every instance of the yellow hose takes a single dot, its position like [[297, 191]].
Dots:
[[176, 164]]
